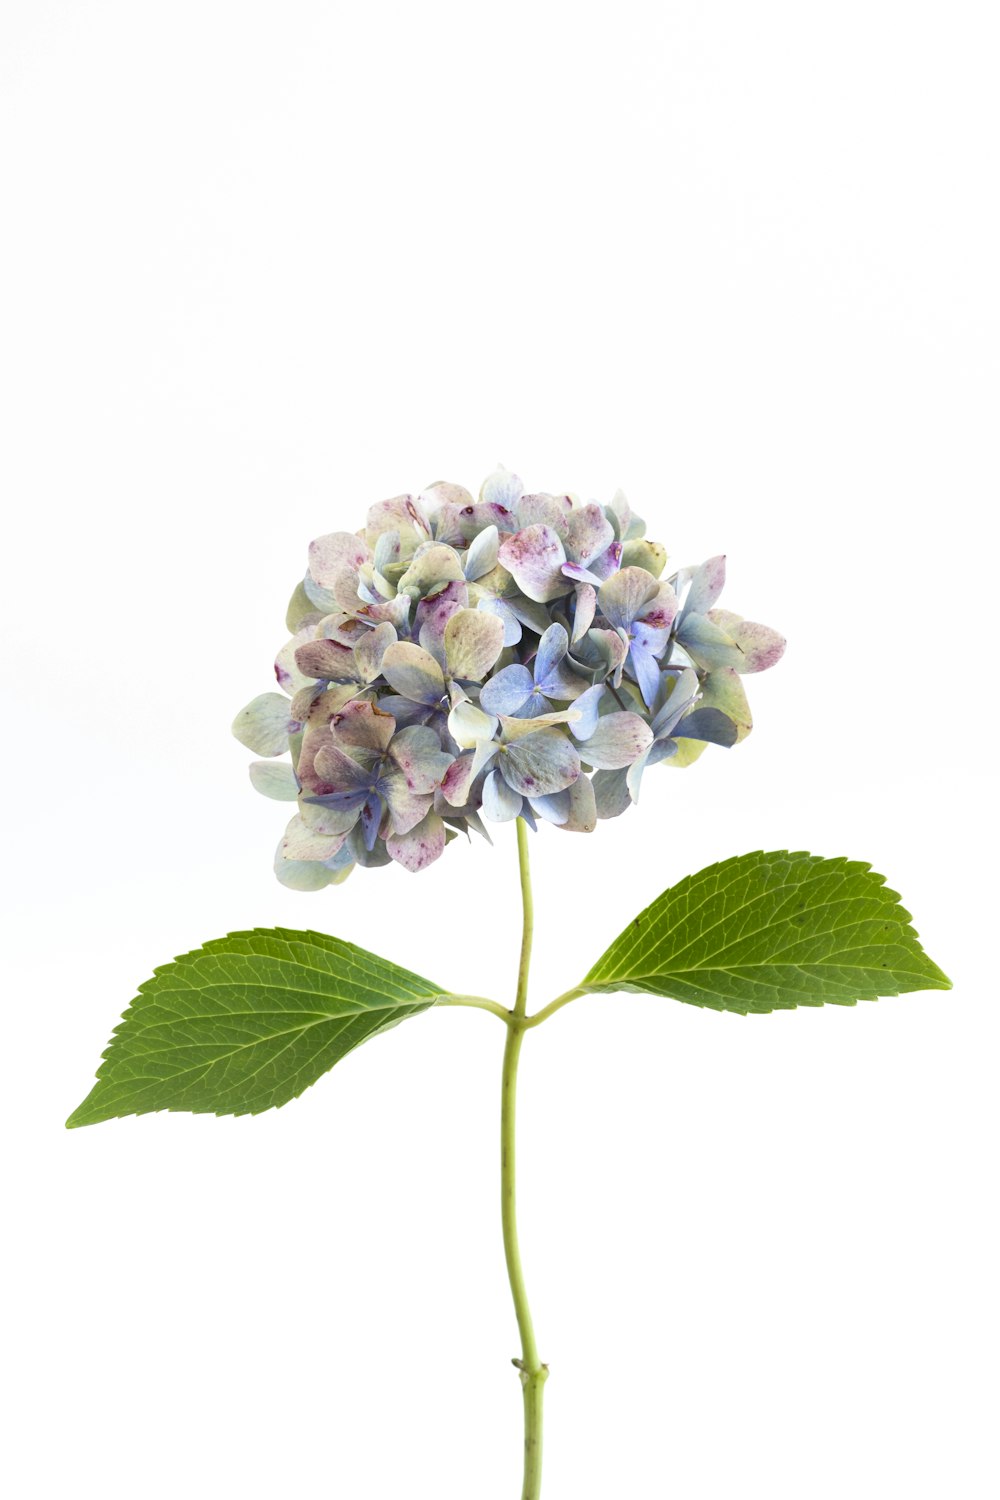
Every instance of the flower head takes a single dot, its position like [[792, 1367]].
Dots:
[[519, 655]]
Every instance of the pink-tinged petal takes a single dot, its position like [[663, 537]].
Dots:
[[458, 780], [328, 660], [659, 612], [625, 594], [339, 773], [760, 645], [500, 802], [290, 676], [421, 846], [588, 534], [274, 779], [582, 817], [417, 753], [540, 763], [402, 514], [545, 510], [707, 582], [406, 807], [301, 842], [265, 724], [609, 562], [333, 555], [586, 608], [468, 725], [413, 673], [371, 648], [473, 639], [442, 493], [481, 557], [618, 740], [620, 515], [364, 726], [534, 557], [476, 518], [501, 488], [708, 644]]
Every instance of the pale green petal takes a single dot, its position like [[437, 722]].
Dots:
[[265, 724], [274, 779], [650, 556], [413, 673], [432, 567], [468, 725], [371, 648], [473, 639], [301, 842]]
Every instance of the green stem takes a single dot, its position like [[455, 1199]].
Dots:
[[533, 1373]]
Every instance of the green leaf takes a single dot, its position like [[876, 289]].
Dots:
[[766, 932], [246, 1023]]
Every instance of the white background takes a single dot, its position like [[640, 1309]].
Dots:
[[265, 264]]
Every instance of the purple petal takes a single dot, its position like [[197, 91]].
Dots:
[[551, 649], [540, 763], [544, 510], [553, 808], [371, 820], [511, 624], [418, 754], [586, 608], [645, 669], [328, 660], [332, 555], [338, 773], [507, 691], [365, 727], [587, 706], [500, 802]]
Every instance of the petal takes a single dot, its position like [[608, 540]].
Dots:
[[433, 613], [680, 693], [724, 690], [507, 691], [544, 510], [707, 582], [618, 740], [588, 534], [458, 781], [500, 802], [534, 557], [476, 518], [406, 807], [328, 660], [540, 763], [339, 773], [708, 645], [582, 816], [402, 514], [652, 556], [555, 807], [468, 725], [586, 706], [516, 729], [332, 555], [501, 488], [371, 648], [481, 558], [511, 624], [761, 646], [371, 820], [551, 649], [265, 724], [301, 875], [633, 776], [473, 640], [708, 724], [300, 841], [300, 607], [413, 673], [586, 608], [418, 754], [364, 726], [611, 793], [645, 669], [611, 650], [421, 846], [624, 594], [274, 779], [339, 818], [432, 568]]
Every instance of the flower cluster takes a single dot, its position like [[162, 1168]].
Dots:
[[519, 655]]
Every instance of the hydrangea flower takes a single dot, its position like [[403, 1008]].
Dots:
[[461, 659]]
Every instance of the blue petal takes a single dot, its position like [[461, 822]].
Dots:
[[507, 691]]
